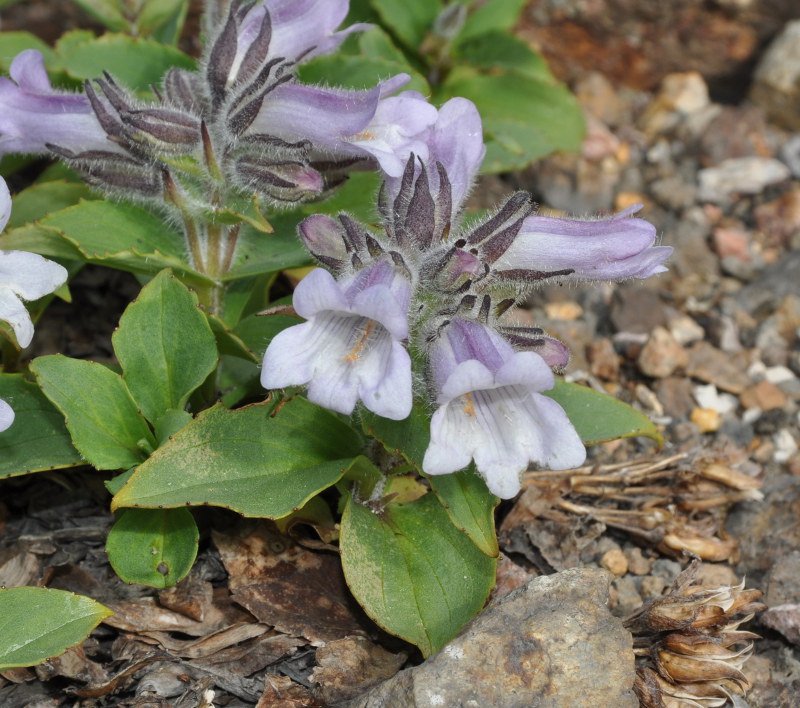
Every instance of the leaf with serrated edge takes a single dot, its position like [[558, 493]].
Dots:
[[39, 623], [248, 460], [413, 572]]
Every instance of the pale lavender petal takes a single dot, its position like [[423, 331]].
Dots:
[[5, 204], [324, 116], [29, 275], [606, 249], [447, 451], [317, 292], [381, 304], [6, 415], [302, 29], [398, 129], [457, 142], [288, 359], [16, 314], [389, 393], [32, 114]]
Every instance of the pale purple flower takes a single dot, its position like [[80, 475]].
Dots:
[[344, 123], [616, 248], [23, 276], [490, 410], [454, 140], [351, 347], [33, 114], [300, 29]]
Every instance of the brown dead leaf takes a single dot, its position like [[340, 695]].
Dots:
[[146, 615], [297, 591], [251, 656], [73, 664], [190, 597], [282, 692], [350, 666]]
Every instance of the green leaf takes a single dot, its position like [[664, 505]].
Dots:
[[155, 547], [164, 345], [135, 62], [163, 19], [39, 623], [40, 239], [38, 201], [499, 50], [102, 418], [12, 43], [524, 118], [413, 572], [599, 417], [123, 236], [410, 20], [470, 506], [375, 58], [262, 460], [108, 12], [494, 15], [37, 439], [258, 253], [408, 438]]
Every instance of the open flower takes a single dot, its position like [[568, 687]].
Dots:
[[491, 410], [23, 276], [351, 348]]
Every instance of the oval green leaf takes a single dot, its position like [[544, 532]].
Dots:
[[413, 572], [39, 623], [37, 439], [102, 418], [164, 345], [137, 63], [470, 506], [262, 460], [155, 547], [599, 417], [123, 236]]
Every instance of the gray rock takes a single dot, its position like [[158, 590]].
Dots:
[[776, 83], [740, 175], [550, 644], [765, 294]]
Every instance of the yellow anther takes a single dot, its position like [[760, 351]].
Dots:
[[358, 349], [469, 405]]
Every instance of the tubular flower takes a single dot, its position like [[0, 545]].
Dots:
[[243, 114], [23, 276], [605, 249], [351, 347], [485, 374], [491, 410], [34, 115]]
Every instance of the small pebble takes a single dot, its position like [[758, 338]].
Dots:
[[637, 563], [706, 419], [615, 562]]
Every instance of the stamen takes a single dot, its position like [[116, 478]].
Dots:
[[358, 349], [469, 404]]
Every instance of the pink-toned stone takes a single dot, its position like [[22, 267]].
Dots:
[[661, 354]]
